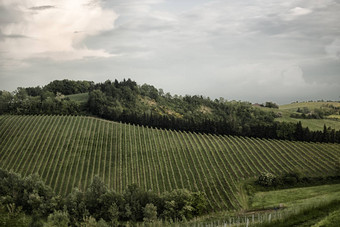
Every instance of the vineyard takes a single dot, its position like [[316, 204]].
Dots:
[[68, 151]]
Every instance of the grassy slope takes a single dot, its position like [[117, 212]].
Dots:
[[296, 197], [68, 151], [320, 215], [295, 200], [310, 206], [309, 105], [79, 98], [312, 124], [311, 201], [331, 220]]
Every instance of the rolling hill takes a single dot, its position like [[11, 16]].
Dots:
[[68, 151], [286, 110]]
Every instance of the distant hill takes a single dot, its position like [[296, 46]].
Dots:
[[291, 113], [68, 151], [128, 102]]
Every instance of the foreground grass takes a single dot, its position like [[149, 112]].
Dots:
[[323, 215], [333, 219], [296, 197], [308, 206]]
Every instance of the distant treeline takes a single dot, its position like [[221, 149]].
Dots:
[[128, 102]]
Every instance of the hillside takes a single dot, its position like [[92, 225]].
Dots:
[[128, 102], [68, 151], [286, 111]]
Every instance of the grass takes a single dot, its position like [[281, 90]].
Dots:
[[309, 206], [79, 98], [336, 117], [319, 215], [296, 197], [309, 105], [312, 124], [332, 121], [331, 220]]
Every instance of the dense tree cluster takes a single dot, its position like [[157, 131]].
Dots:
[[44, 102], [97, 203], [68, 87], [271, 105], [293, 179], [128, 102]]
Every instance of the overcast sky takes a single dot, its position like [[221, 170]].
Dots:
[[250, 50]]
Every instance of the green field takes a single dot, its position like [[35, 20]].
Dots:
[[294, 201], [313, 124], [309, 206], [296, 197], [332, 121], [309, 105], [68, 151]]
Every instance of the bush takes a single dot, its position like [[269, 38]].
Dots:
[[57, 219], [150, 212], [266, 179], [271, 105]]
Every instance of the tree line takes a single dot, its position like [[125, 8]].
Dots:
[[128, 102], [97, 204]]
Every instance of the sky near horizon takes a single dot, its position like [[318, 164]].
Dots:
[[249, 50]]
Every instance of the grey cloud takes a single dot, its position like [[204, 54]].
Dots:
[[232, 49], [322, 71], [15, 36], [42, 7], [9, 15]]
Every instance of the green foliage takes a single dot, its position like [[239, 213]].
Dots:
[[44, 103], [76, 206], [68, 87], [30, 193], [58, 219], [317, 113], [93, 196], [181, 204], [271, 105], [113, 214], [98, 206], [291, 179], [266, 179], [11, 215], [150, 212]]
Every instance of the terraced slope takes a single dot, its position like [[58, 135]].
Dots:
[[67, 151]]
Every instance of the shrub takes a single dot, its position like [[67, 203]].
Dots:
[[150, 212], [57, 219], [266, 179]]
